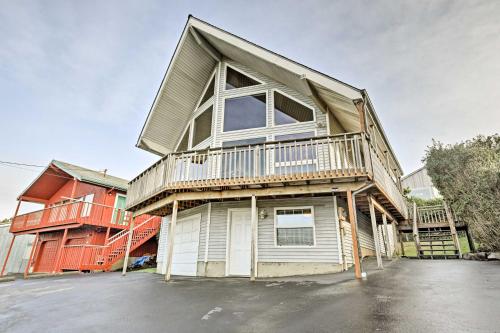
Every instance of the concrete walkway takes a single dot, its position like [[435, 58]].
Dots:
[[408, 296]]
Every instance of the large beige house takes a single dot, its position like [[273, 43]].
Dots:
[[267, 168]]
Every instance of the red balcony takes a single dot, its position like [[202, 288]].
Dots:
[[75, 214]]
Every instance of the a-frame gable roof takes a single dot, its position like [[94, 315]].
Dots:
[[57, 173], [200, 48]]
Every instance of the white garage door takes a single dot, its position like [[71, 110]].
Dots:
[[187, 236]]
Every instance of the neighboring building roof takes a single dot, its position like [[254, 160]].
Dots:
[[412, 173], [56, 174], [199, 49], [92, 176]]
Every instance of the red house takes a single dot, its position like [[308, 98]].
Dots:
[[83, 225]]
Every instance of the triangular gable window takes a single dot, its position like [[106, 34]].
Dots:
[[183, 145], [209, 92], [288, 111], [235, 79]]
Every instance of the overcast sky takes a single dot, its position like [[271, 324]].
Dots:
[[77, 78]]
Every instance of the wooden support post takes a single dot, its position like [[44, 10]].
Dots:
[[472, 247], [8, 254], [395, 238], [13, 238], [57, 262], [354, 236], [340, 233], [107, 235], [375, 233], [416, 237], [33, 249], [254, 222], [388, 251], [401, 244], [171, 238], [453, 229], [129, 245]]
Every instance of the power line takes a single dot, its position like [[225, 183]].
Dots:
[[23, 164]]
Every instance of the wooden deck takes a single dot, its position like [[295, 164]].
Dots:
[[334, 160]]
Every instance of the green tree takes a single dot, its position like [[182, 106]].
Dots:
[[467, 174]]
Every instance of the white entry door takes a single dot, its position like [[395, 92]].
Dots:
[[185, 255], [240, 233]]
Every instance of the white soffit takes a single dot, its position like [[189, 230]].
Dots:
[[189, 70]]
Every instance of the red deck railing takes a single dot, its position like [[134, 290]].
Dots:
[[78, 212]]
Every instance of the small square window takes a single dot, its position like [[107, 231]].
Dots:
[[294, 227]]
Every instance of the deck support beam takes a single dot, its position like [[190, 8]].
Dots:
[[129, 244], [354, 235], [171, 239], [453, 228], [340, 233], [253, 249], [376, 239], [33, 249], [388, 251], [57, 262], [416, 237]]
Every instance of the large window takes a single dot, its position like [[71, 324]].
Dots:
[[294, 226], [202, 127], [235, 79], [288, 111], [245, 112]]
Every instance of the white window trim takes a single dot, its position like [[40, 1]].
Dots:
[[226, 65], [198, 105], [187, 127], [273, 120], [275, 233], [243, 94], [228, 235]]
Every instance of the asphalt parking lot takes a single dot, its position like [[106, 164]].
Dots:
[[407, 296]]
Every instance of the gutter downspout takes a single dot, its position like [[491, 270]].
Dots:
[[364, 188]]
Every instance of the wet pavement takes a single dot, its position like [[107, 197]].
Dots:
[[407, 296]]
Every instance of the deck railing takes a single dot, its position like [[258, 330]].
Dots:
[[321, 157], [77, 212], [345, 155]]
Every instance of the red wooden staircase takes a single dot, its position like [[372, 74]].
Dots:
[[103, 257], [114, 250]]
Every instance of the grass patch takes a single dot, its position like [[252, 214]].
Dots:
[[411, 250]]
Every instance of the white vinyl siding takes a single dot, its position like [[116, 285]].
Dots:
[[326, 248]]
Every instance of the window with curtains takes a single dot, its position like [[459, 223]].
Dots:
[[294, 226], [236, 79], [288, 111]]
